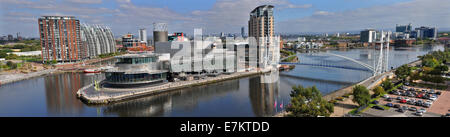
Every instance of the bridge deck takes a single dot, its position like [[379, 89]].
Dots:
[[325, 65]]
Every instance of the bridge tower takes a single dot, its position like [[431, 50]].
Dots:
[[382, 64]]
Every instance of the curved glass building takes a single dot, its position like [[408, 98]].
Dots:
[[97, 40], [136, 69]]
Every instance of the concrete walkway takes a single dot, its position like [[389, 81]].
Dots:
[[10, 78], [108, 95]]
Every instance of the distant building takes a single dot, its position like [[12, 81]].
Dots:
[[301, 39], [129, 40], [261, 23], [10, 37], [261, 27], [178, 36], [401, 35], [60, 38], [143, 35], [308, 45], [243, 32], [403, 28], [368, 35], [97, 39], [160, 33], [28, 53], [426, 32]]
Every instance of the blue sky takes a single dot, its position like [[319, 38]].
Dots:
[[215, 16]]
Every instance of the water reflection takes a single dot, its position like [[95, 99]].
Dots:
[[262, 96], [60, 92], [182, 100]]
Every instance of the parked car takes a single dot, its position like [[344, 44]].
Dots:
[[402, 109], [389, 105], [405, 107], [406, 93], [438, 93], [419, 95], [412, 109], [375, 102], [399, 98], [412, 101], [422, 110], [433, 98], [431, 91], [407, 83], [407, 99], [389, 99], [427, 105], [396, 106], [418, 113], [446, 115], [419, 103], [429, 101], [403, 101], [385, 96], [405, 88], [378, 107]]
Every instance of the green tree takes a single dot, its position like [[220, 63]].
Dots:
[[387, 84], [379, 91], [11, 56], [361, 95], [414, 76], [3, 54], [19, 46], [403, 72], [11, 65], [308, 102], [437, 79], [429, 61], [439, 70]]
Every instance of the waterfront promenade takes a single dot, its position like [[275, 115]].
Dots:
[[103, 95], [14, 77]]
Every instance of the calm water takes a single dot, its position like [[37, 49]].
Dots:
[[55, 95]]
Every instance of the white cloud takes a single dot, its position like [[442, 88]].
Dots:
[[86, 1], [322, 13], [293, 6]]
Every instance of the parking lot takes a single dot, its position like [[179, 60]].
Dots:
[[409, 102], [392, 112]]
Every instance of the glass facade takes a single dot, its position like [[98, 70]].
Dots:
[[97, 40], [120, 77], [142, 60]]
